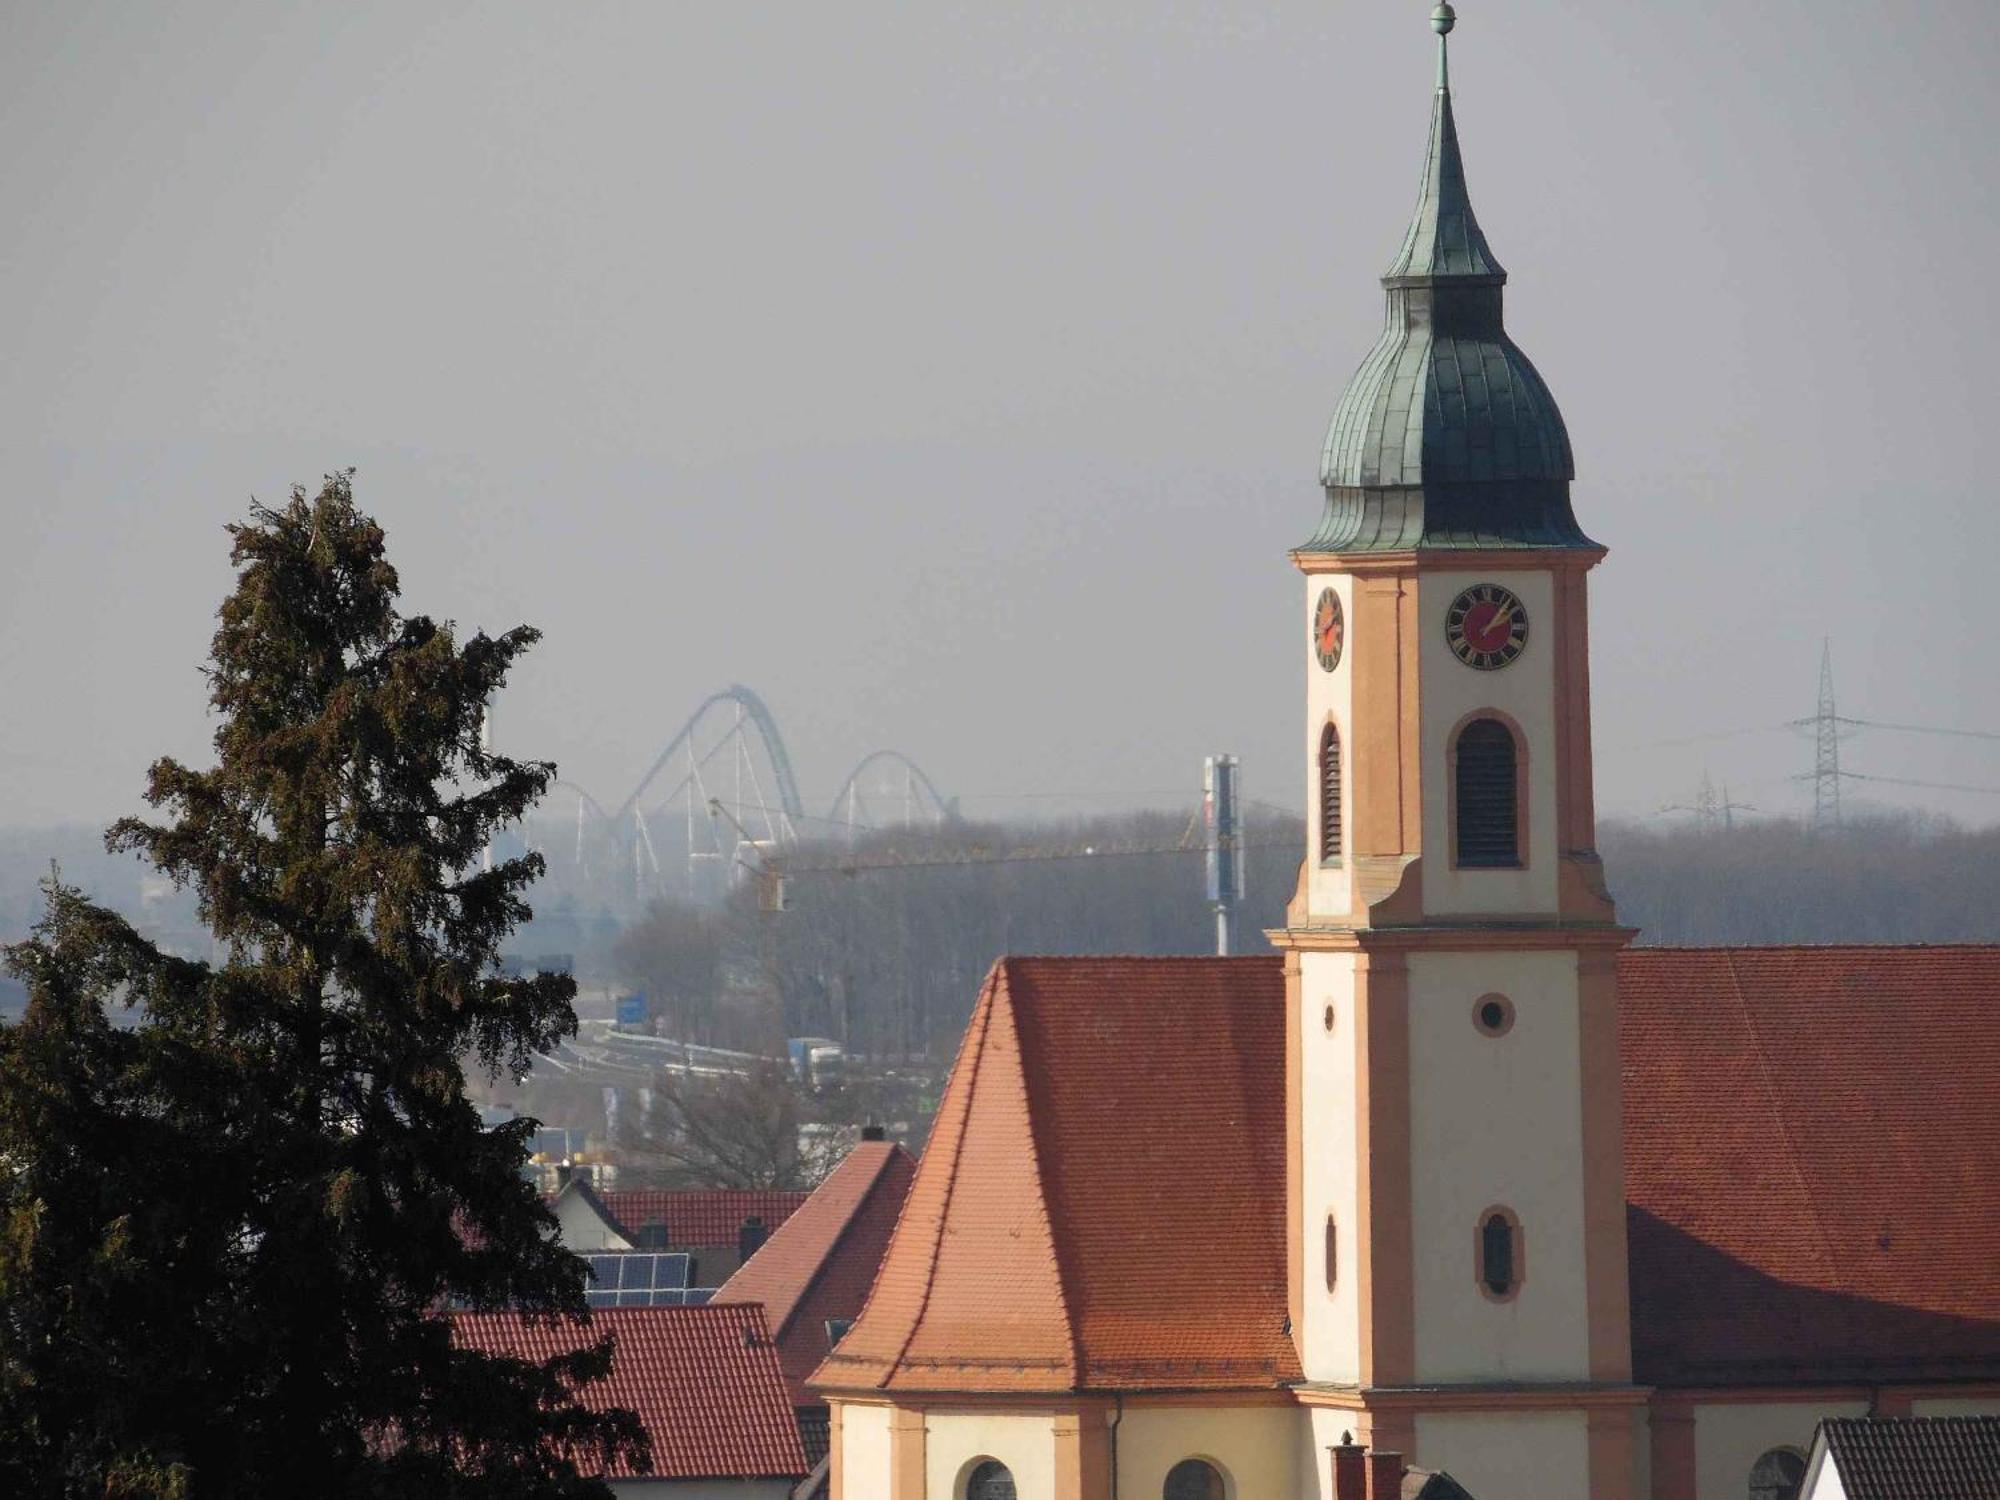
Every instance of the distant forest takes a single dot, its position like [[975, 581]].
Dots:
[[883, 946], [888, 959]]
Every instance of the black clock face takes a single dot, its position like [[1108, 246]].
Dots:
[[1486, 627], [1329, 630]]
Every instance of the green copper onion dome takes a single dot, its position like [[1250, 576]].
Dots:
[[1446, 436]]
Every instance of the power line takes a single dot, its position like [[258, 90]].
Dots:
[[1935, 786], [1963, 734]]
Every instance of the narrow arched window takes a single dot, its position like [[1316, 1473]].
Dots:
[[1332, 1255], [1497, 1253], [1329, 794], [1194, 1479], [1488, 797], [1777, 1475], [989, 1480]]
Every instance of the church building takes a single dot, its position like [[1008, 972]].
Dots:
[[1459, 1183]]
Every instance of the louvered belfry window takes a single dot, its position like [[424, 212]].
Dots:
[[1329, 794], [1488, 814]]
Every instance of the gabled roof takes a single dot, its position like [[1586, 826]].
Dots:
[[1101, 1205], [1812, 1162], [705, 1381], [821, 1262], [1913, 1458], [700, 1216], [1811, 1174]]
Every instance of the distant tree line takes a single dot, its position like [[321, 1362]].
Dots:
[[883, 947]]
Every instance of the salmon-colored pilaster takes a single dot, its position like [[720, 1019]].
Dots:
[[1672, 1438], [1576, 817], [1295, 1145], [1607, 1292], [1387, 811], [1391, 1431], [906, 1454], [1382, 1142], [1609, 1430], [834, 1485], [1083, 1455]]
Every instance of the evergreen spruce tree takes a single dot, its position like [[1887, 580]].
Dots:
[[232, 1220]]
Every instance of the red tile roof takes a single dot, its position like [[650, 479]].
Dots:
[[820, 1264], [1812, 1140], [1101, 1205], [702, 1216], [1812, 1146], [1915, 1458], [704, 1380]]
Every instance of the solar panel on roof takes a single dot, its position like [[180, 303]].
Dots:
[[697, 1296]]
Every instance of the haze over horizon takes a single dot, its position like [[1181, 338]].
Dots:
[[956, 378]]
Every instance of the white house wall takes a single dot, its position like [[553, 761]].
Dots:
[[1525, 692], [954, 1441], [1328, 694], [1464, 1087], [1254, 1447], [1510, 1456], [1729, 1438], [1330, 1346]]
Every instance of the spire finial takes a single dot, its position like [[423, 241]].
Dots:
[[1442, 20]]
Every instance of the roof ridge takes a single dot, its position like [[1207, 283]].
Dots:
[[1793, 1158], [975, 1047], [1954, 945], [845, 1224], [1065, 1270]]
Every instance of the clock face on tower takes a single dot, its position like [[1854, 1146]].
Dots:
[[1486, 627], [1329, 630]]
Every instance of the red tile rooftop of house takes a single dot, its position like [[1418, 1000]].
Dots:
[[819, 1265], [1810, 1175], [702, 1216], [705, 1381]]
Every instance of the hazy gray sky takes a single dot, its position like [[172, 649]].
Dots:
[[956, 375]]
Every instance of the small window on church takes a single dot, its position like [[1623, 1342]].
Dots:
[[1778, 1475], [989, 1480], [1332, 1255], [1497, 1254], [1194, 1479], [1329, 794], [1487, 797]]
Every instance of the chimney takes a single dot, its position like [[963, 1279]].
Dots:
[[1385, 1474], [874, 1133], [1350, 1469], [750, 1238]]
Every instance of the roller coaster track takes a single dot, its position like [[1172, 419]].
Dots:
[[941, 809], [766, 726]]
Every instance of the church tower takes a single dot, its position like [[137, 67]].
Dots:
[[1455, 1181]]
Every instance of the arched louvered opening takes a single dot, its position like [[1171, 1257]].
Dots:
[[1487, 793], [1329, 794]]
